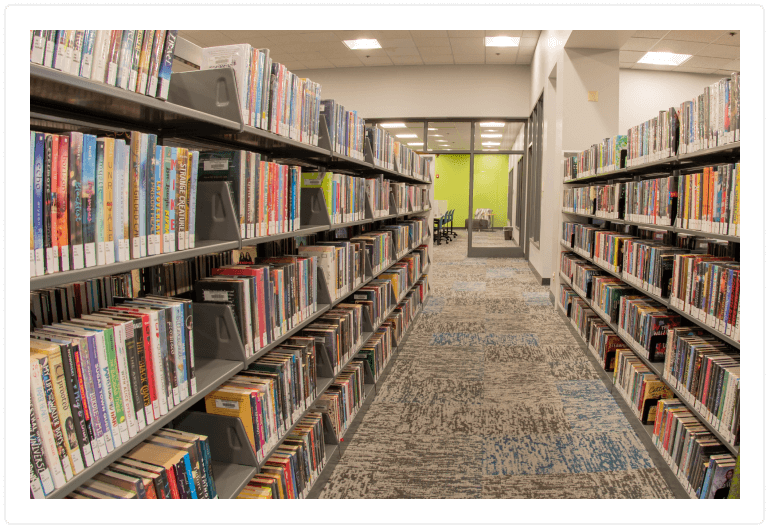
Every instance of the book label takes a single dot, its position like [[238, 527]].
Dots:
[[64, 252], [109, 252], [90, 254], [216, 165], [227, 404]]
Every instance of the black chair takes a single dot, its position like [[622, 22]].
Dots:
[[437, 229], [451, 224]]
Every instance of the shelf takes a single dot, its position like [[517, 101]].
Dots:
[[301, 232], [697, 233], [663, 301], [57, 93], [322, 309], [61, 278], [729, 149], [656, 368], [230, 478], [210, 374]]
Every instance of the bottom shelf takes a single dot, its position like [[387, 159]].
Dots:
[[230, 478], [670, 478]]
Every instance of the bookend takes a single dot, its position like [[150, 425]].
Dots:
[[209, 91], [324, 295], [368, 270], [368, 212], [226, 436], [215, 333], [368, 152], [215, 218], [313, 210], [393, 207], [324, 138]]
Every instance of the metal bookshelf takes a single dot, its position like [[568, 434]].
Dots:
[[202, 108]]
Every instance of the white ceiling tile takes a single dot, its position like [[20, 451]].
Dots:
[[358, 34], [346, 62], [403, 60], [462, 45], [626, 64], [469, 59], [371, 53], [531, 34], [438, 59], [707, 62], [500, 59], [733, 66], [376, 61], [310, 56], [395, 34], [523, 60], [466, 34], [318, 63], [289, 37], [429, 51], [318, 36], [679, 46], [729, 40], [333, 49], [503, 33], [528, 41], [692, 69], [630, 56], [637, 44], [294, 65], [429, 34], [501, 52], [397, 43], [695, 35], [650, 34], [431, 42], [725, 73], [395, 52], [718, 50]]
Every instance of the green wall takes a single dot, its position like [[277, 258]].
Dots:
[[490, 189]]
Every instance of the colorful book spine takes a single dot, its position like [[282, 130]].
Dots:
[[193, 198], [89, 199], [164, 70], [99, 203]]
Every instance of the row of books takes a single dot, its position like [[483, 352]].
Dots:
[[294, 467], [100, 379], [707, 201], [271, 394], [271, 97], [387, 151], [709, 120], [705, 372], [175, 277], [103, 200], [171, 464], [652, 400], [268, 298], [346, 130], [266, 195], [342, 262], [345, 195], [700, 462], [132, 59], [340, 330], [378, 191], [419, 197]]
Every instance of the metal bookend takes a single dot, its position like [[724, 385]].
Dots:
[[209, 91], [368, 211], [313, 210], [368, 152], [324, 138], [328, 429], [324, 295], [215, 219], [368, 270], [393, 207], [226, 437], [396, 166], [216, 335], [368, 375], [324, 366]]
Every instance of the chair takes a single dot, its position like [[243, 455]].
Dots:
[[437, 228], [451, 224]]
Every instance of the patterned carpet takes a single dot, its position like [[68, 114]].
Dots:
[[491, 397]]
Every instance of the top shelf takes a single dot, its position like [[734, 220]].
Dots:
[[680, 161]]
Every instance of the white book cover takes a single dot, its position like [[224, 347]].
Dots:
[[37, 393]]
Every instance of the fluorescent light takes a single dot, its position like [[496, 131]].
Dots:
[[436, 135], [430, 128], [487, 149], [502, 42], [393, 125], [490, 143], [405, 135], [487, 124], [663, 58], [491, 135], [418, 143], [362, 44]]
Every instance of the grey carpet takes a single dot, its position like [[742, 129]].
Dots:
[[492, 397]]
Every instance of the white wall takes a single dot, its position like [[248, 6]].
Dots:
[[643, 93], [468, 90]]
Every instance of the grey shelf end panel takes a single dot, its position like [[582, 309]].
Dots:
[[230, 478], [313, 208], [226, 437], [215, 218], [216, 334]]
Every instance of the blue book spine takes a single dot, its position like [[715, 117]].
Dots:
[[89, 198], [86, 60], [259, 87], [37, 204], [125, 58], [193, 191], [164, 72], [190, 479], [103, 414], [143, 171], [157, 220], [150, 192]]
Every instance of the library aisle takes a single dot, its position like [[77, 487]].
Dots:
[[492, 397]]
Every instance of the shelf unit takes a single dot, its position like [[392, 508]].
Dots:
[[60, 102], [654, 169]]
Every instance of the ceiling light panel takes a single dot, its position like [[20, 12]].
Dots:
[[491, 135], [491, 124], [502, 42], [393, 125], [362, 44], [663, 58], [406, 136]]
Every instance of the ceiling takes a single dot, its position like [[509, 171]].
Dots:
[[713, 52], [456, 136], [300, 50]]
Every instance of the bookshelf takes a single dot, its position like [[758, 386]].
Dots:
[[673, 165], [60, 102]]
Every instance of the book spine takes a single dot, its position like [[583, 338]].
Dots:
[[169, 200], [181, 197], [156, 56], [77, 51], [143, 179], [78, 405], [90, 405], [41, 412], [164, 71], [60, 55], [188, 212], [125, 58], [89, 199], [37, 205], [99, 208], [55, 417], [50, 185], [135, 191], [100, 58], [122, 407], [138, 47], [193, 198], [113, 57], [122, 381], [40, 476], [107, 213], [86, 59], [156, 219]]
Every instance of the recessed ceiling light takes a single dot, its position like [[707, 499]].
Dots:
[[663, 58], [487, 124], [362, 44], [491, 135], [405, 135], [430, 128], [436, 135], [490, 143], [393, 125], [502, 42], [419, 143], [487, 149]]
